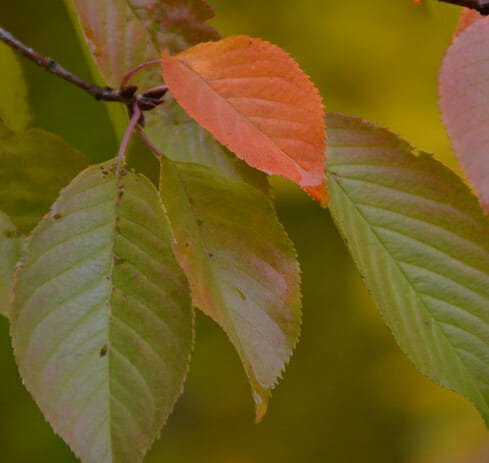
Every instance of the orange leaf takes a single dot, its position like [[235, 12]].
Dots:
[[253, 98], [467, 18]]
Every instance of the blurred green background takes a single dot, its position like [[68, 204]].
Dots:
[[348, 395]]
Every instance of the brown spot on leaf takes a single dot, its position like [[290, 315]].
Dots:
[[103, 350], [10, 234], [118, 260]]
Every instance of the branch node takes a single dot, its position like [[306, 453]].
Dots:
[[129, 91], [51, 65]]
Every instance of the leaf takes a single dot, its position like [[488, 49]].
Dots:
[[123, 34], [255, 100], [11, 249], [467, 18], [14, 108], [117, 39], [421, 244], [464, 90], [241, 266], [34, 166], [102, 323]]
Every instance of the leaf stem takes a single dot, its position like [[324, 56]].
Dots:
[[482, 6], [131, 127], [148, 142], [128, 76]]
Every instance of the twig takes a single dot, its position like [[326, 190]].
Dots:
[[126, 95], [128, 76], [482, 6]]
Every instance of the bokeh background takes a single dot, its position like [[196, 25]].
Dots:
[[348, 395]]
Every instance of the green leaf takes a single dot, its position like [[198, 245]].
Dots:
[[34, 166], [102, 324], [11, 247], [421, 242], [241, 266], [14, 108]]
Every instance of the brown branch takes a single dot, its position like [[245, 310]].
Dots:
[[126, 95], [482, 6]]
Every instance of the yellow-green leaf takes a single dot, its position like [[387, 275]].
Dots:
[[14, 108], [102, 324], [241, 266], [34, 166], [421, 243], [11, 245]]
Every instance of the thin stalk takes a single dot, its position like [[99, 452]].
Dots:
[[148, 142], [130, 74], [131, 127]]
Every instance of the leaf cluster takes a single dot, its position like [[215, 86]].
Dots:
[[101, 269]]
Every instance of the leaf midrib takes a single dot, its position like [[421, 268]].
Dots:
[[117, 199]]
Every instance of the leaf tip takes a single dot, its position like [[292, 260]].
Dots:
[[320, 193], [261, 405], [467, 18]]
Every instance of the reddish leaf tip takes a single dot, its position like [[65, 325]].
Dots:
[[320, 193], [467, 18], [260, 409]]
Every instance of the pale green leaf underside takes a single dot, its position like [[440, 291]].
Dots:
[[241, 266], [102, 323], [14, 108], [421, 243], [34, 166], [11, 245]]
